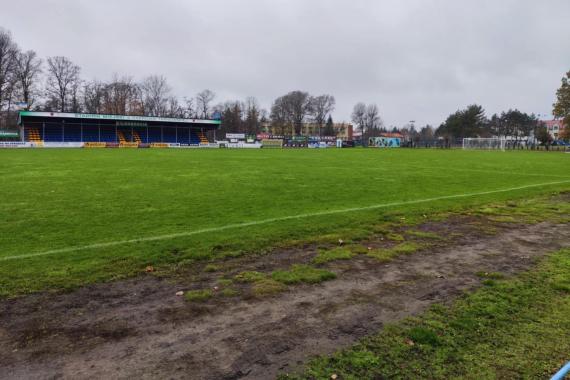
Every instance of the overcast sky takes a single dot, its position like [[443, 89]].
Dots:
[[417, 59]]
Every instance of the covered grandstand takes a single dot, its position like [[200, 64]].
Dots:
[[60, 127]]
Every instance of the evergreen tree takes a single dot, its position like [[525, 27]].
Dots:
[[329, 127], [562, 105]]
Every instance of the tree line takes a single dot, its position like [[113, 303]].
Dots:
[[55, 84], [514, 124], [29, 82]]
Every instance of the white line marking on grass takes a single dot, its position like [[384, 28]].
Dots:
[[270, 220]]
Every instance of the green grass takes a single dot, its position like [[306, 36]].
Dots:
[[302, 273], [250, 276], [510, 329], [267, 287], [200, 295], [56, 199], [424, 235], [387, 254], [324, 256]]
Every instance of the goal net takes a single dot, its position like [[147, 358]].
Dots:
[[493, 143]]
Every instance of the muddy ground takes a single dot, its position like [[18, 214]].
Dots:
[[139, 328]]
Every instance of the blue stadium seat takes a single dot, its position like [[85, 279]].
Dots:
[[183, 136], [169, 135], [90, 134], [53, 133], [108, 134], [194, 139], [154, 135], [72, 133]]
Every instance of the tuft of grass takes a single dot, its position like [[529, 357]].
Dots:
[[424, 235], [211, 268], [229, 292], [302, 273], [503, 219], [517, 328], [225, 281], [395, 237], [357, 249], [267, 287], [387, 254], [250, 276], [200, 295], [491, 275], [423, 335], [324, 256]]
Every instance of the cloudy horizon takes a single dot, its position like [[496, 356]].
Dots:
[[418, 60]]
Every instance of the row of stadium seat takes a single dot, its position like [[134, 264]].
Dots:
[[33, 135], [56, 133], [202, 137]]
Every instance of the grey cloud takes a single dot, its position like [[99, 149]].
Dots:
[[417, 59]]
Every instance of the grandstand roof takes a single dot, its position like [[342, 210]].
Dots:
[[103, 117]]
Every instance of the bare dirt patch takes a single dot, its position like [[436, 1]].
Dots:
[[140, 329]]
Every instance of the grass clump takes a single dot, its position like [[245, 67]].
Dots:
[[387, 254], [422, 335], [491, 275], [358, 249], [395, 237], [517, 328], [424, 235], [267, 287], [229, 292], [199, 295], [211, 268], [503, 219], [250, 276], [302, 273], [324, 256], [225, 281]]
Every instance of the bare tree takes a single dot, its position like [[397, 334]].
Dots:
[[189, 110], [28, 70], [93, 96], [8, 55], [322, 106], [63, 78], [122, 97], [252, 124], [359, 116], [75, 104], [203, 100], [174, 109], [155, 94], [292, 109], [279, 116], [372, 120]]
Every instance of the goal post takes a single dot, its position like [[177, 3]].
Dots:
[[480, 143]]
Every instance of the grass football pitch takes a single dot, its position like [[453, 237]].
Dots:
[[72, 217]]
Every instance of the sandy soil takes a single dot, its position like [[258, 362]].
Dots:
[[140, 329]]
